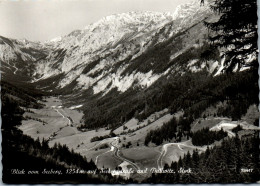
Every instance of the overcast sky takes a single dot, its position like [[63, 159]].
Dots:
[[40, 20]]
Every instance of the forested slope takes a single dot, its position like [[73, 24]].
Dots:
[[235, 161]]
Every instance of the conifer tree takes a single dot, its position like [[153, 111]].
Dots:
[[235, 30]]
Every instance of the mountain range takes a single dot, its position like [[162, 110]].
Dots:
[[116, 55], [141, 82], [103, 52]]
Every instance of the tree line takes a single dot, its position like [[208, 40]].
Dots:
[[224, 164], [206, 137], [238, 90]]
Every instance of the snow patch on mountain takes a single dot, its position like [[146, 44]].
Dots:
[[75, 107], [56, 39]]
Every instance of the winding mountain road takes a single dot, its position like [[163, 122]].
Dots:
[[165, 148], [115, 149], [231, 134], [116, 153], [68, 125]]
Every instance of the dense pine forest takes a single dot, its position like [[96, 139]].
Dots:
[[237, 90], [235, 161], [207, 137]]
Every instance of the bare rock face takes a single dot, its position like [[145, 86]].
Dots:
[[118, 51]]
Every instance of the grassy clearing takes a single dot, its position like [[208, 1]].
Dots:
[[204, 123], [133, 124], [81, 139], [139, 135], [173, 154], [56, 123], [145, 157], [108, 160], [37, 129], [251, 115], [91, 155]]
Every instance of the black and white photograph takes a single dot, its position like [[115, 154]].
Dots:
[[129, 92]]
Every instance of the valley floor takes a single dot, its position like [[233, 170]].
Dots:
[[58, 124]]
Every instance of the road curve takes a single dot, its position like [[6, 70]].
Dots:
[[116, 153], [165, 148], [69, 124], [64, 116]]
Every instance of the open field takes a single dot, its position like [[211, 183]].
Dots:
[[59, 125], [205, 123], [251, 115], [108, 160], [133, 124], [229, 125], [139, 135], [51, 120], [145, 157]]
